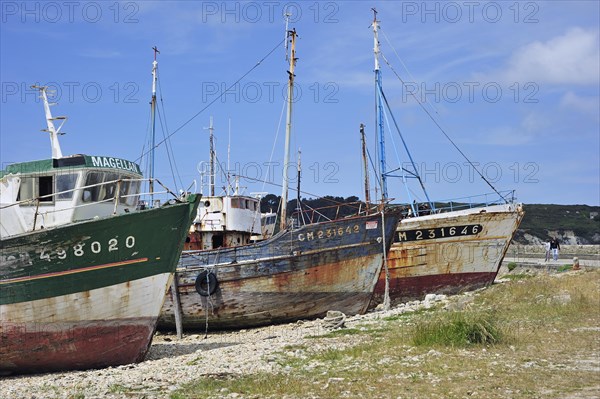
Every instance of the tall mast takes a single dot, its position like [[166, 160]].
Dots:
[[379, 107], [299, 175], [228, 157], [365, 166], [153, 123], [288, 129], [298, 203], [211, 130], [56, 151]]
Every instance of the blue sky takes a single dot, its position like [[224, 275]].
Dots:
[[515, 84]]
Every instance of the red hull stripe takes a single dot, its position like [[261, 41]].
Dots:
[[72, 271]]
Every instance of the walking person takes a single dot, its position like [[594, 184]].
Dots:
[[554, 247], [547, 247]]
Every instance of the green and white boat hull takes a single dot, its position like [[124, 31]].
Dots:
[[88, 294]]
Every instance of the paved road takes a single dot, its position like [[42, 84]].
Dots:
[[562, 260]]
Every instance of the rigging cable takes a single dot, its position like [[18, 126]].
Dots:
[[406, 147], [439, 126], [410, 75], [273, 152], [170, 153], [303, 192], [402, 169], [146, 167], [215, 99]]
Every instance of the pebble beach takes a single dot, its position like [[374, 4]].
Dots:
[[172, 362]]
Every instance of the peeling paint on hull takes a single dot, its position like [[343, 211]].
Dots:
[[420, 265], [74, 345], [295, 275]]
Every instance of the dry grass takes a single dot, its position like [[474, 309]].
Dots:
[[546, 344]]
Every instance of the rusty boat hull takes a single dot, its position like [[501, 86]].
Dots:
[[299, 274], [449, 252], [88, 294]]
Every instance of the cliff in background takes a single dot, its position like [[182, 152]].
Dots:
[[571, 224]]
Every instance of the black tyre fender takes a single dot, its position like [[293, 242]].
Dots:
[[206, 283]]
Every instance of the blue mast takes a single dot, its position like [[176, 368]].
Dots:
[[379, 109]]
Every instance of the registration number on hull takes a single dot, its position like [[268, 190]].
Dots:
[[437, 232]]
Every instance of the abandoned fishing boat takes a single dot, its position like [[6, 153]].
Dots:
[[227, 220], [440, 248], [83, 272], [449, 252], [295, 274]]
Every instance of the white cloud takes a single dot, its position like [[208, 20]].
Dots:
[[587, 105], [531, 127], [571, 58]]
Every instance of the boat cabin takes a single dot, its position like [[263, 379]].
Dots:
[[47, 193], [224, 221]]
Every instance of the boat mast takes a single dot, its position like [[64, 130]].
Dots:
[[56, 151], [379, 108], [228, 157], [288, 128], [365, 166], [153, 123], [298, 203], [211, 130]]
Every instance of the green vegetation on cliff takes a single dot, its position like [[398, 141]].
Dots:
[[546, 220]]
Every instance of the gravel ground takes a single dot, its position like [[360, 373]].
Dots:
[[172, 362]]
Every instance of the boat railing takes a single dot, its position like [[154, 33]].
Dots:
[[309, 215], [117, 197], [462, 203]]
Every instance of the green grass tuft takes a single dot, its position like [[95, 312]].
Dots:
[[515, 277], [564, 268], [458, 329], [339, 333]]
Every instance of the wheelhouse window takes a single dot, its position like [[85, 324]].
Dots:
[[130, 188], [102, 187], [65, 184], [41, 187], [91, 192], [27, 189], [110, 186]]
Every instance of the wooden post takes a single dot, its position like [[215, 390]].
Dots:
[[177, 310]]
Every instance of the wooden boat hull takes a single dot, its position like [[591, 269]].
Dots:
[[294, 275], [88, 294], [448, 252]]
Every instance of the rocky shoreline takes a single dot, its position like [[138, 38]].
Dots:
[[172, 362]]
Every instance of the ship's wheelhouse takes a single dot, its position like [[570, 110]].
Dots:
[[43, 194]]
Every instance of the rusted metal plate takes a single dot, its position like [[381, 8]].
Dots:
[[43, 347]]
